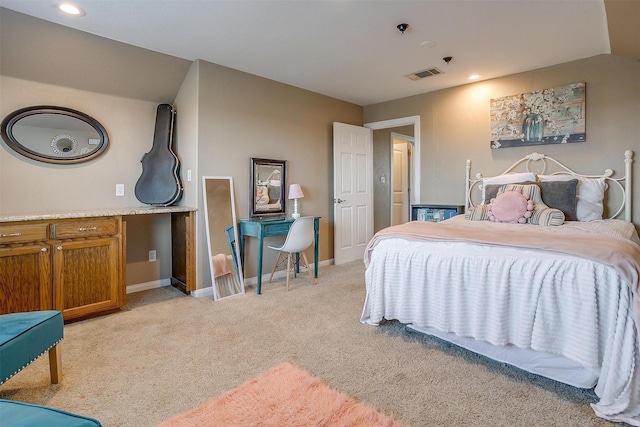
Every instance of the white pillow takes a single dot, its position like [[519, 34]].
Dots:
[[509, 178], [590, 195]]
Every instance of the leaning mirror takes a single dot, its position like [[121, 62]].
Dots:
[[54, 134], [221, 228], [268, 180]]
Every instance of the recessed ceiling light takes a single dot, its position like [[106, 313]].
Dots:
[[474, 77], [71, 9]]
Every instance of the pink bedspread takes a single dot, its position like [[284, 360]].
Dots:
[[621, 254]]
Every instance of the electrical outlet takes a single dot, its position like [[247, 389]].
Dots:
[[189, 175], [119, 190], [152, 255]]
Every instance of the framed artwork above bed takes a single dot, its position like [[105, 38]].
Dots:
[[548, 116], [268, 184]]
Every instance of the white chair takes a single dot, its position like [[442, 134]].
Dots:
[[299, 238]]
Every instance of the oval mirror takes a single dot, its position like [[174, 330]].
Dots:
[[54, 134]]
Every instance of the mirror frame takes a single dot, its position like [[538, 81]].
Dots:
[[235, 252], [256, 209], [14, 144]]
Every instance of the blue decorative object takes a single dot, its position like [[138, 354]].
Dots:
[[18, 414], [532, 127]]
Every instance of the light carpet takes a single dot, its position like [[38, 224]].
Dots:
[[283, 396], [166, 353]]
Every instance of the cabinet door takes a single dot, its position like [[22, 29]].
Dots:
[[25, 278], [86, 277]]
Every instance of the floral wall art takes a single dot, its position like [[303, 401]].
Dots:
[[549, 116]]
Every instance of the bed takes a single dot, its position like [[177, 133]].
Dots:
[[555, 294]]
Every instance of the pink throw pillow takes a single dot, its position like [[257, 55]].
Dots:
[[510, 206]]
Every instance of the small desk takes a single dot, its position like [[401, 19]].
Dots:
[[261, 228]]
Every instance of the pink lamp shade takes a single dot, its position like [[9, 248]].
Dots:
[[295, 192]]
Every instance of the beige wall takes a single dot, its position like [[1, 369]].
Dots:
[[242, 116], [30, 186], [42, 51], [455, 125], [224, 118]]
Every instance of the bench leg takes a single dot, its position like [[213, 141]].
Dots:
[[55, 364]]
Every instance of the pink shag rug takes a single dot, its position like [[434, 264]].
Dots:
[[282, 396]]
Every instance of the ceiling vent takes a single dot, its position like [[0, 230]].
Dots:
[[425, 73]]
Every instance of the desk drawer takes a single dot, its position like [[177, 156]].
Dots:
[[84, 228], [276, 229], [22, 233]]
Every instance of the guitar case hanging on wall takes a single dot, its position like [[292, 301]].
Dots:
[[159, 183]]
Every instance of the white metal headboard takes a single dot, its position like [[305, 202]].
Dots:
[[622, 183]]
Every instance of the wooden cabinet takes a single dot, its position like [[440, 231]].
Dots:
[[86, 277], [69, 265], [76, 262], [25, 278]]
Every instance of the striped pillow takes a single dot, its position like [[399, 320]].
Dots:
[[541, 213], [477, 213]]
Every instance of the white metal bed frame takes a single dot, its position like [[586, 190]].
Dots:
[[624, 184]]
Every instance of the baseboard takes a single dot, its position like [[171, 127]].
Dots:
[[204, 292], [208, 291], [325, 263], [281, 273], [139, 287]]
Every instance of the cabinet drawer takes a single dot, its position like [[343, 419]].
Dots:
[[22, 233], [84, 228]]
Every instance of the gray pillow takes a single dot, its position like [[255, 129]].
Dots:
[[555, 194]]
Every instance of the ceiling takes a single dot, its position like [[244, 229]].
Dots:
[[351, 49]]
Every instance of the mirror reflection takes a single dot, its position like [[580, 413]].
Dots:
[[54, 134], [268, 178], [221, 227]]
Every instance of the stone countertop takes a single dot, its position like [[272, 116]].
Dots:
[[82, 213]]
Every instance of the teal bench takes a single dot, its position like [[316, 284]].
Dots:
[[26, 336], [23, 338]]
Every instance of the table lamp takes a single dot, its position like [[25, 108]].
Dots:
[[295, 193]]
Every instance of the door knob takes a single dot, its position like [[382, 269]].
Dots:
[[338, 200]]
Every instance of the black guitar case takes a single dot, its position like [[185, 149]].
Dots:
[[159, 183]]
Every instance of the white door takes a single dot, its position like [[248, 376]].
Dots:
[[352, 191], [400, 182]]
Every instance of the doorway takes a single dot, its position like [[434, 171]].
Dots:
[[383, 170], [401, 171]]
